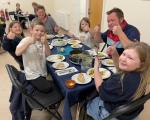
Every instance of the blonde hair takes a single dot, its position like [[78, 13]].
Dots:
[[143, 51]]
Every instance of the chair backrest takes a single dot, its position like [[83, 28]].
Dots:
[[128, 107], [13, 74]]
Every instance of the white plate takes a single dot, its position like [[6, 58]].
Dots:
[[87, 78], [74, 42], [59, 35], [113, 69], [50, 36], [59, 42], [55, 58], [104, 72], [60, 65], [108, 62], [102, 55], [76, 46]]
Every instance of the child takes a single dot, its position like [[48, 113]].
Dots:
[[121, 88], [34, 50], [12, 39], [86, 35]]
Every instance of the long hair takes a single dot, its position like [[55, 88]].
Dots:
[[86, 19], [12, 24], [143, 51]]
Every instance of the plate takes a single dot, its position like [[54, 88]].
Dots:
[[60, 65], [50, 36], [81, 78], [102, 55], [59, 42], [113, 69], [55, 58], [76, 45], [59, 35], [108, 62], [104, 72], [74, 42]]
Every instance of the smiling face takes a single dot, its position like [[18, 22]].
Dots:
[[41, 13], [113, 20], [16, 28], [129, 60], [37, 32], [83, 25]]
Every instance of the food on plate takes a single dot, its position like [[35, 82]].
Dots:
[[81, 78], [74, 42], [60, 65], [101, 55], [102, 72], [91, 72], [62, 49], [110, 62], [75, 45], [59, 57]]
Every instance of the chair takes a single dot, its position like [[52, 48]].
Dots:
[[37, 100], [11, 15], [123, 109]]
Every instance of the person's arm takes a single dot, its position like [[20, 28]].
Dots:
[[97, 76], [45, 42], [111, 50], [122, 36], [97, 34], [23, 45]]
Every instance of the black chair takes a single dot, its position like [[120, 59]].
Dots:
[[123, 109], [37, 100]]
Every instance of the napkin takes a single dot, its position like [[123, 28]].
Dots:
[[66, 71]]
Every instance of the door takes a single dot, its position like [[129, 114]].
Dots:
[[95, 12]]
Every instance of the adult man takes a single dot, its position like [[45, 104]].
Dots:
[[49, 23], [119, 33]]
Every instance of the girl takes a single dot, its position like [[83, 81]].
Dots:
[[127, 85], [86, 35], [12, 39], [34, 50]]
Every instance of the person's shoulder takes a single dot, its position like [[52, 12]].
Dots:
[[131, 27], [132, 75]]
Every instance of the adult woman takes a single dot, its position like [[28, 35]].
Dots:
[[49, 23]]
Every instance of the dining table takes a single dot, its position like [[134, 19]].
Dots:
[[74, 95]]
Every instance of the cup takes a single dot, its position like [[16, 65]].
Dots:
[[86, 63]]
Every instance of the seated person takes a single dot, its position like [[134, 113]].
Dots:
[[86, 35], [120, 33], [49, 23], [18, 15], [123, 87], [12, 39], [34, 50]]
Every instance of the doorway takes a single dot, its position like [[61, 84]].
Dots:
[[95, 8]]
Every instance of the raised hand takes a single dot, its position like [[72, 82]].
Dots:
[[117, 30], [97, 62], [111, 50], [11, 35]]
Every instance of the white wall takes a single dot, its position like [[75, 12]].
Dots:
[[26, 5], [76, 9], [136, 13]]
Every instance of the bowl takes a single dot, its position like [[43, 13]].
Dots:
[[70, 83]]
